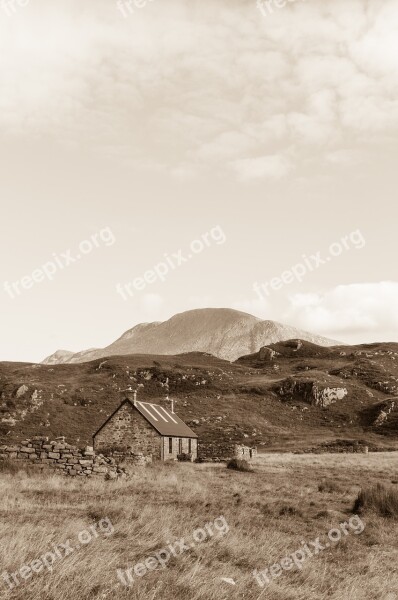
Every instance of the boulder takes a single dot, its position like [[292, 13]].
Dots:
[[21, 391], [266, 354]]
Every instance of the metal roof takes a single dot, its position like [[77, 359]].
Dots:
[[163, 420]]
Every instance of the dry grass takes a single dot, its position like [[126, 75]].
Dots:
[[378, 499], [239, 464], [269, 513]]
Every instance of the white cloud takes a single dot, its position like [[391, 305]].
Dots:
[[344, 157], [151, 305], [366, 311], [174, 85], [259, 308], [262, 167]]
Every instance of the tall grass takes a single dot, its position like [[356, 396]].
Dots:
[[239, 464], [164, 503], [379, 499]]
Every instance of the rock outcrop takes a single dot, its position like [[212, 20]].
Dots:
[[311, 392], [21, 391], [266, 354], [386, 409]]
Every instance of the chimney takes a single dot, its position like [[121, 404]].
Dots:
[[129, 392], [171, 403]]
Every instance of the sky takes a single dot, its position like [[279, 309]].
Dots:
[[157, 157]]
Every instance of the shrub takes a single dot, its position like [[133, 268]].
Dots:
[[10, 467], [13, 467], [239, 464], [159, 465], [381, 500], [184, 457], [286, 510], [259, 391], [329, 486]]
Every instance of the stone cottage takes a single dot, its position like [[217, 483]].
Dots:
[[151, 429]]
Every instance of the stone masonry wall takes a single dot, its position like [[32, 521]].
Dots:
[[245, 452], [220, 451], [68, 459], [127, 428], [176, 448]]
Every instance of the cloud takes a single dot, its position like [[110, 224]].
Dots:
[[362, 311], [202, 86], [151, 305], [263, 167], [344, 157], [258, 308]]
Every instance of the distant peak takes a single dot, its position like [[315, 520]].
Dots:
[[224, 332], [219, 312]]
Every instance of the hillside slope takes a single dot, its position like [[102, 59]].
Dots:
[[223, 332], [289, 395]]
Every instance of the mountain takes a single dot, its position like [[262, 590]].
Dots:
[[223, 332], [59, 357]]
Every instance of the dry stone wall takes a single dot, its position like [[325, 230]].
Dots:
[[68, 459], [245, 452], [221, 451]]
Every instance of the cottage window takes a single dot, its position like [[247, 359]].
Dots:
[[189, 445], [170, 445], [180, 446]]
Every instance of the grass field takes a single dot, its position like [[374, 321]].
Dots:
[[233, 523]]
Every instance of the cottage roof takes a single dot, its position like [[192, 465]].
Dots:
[[161, 418]]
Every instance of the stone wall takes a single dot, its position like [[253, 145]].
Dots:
[[113, 463], [130, 458], [59, 455], [220, 451], [127, 428], [245, 452]]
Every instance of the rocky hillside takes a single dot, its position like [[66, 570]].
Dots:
[[287, 396], [225, 333]]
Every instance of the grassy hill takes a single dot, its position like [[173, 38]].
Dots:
[[275, 399]]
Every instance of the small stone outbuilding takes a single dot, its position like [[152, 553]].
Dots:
[[146, 428]]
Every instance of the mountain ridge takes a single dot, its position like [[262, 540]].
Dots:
[[224, 332]]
